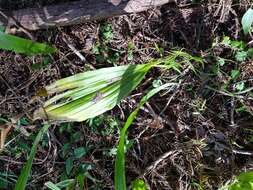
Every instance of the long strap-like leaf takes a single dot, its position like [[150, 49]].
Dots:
[[119, 176], [21, 45], [22, 180]]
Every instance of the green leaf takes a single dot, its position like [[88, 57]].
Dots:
[[235, 44], [226, 41], [60, 185], [65, 149], [80, 152], [23, 121], [85, 167], [235, 74], [106, 31], [69, 165], [246, 177], [51, 186], [156, 83], [221, 61], [91, 93], [3, 183], [240, 86], [65, 183], [241, 56], [138, 184], [22, 180], [119, 175], [80, 179], [243, 181], [250, 52], [21, 45], [247, 21]]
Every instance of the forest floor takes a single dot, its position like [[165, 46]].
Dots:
[[197, 136]]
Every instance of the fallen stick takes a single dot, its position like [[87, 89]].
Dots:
[[74, 12]]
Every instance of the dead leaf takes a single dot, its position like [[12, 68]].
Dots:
[[156, 123], [4, 130]]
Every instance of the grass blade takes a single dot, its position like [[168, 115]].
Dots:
[[25, 172], [119, 176], [21, 45], [51, 186]]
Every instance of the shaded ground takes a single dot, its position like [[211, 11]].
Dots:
[[190, 138]]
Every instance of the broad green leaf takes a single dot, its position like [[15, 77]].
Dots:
[[80, 152], [241, 56], [22, 180], [21, 45], [119, 175], [235, 74], [247, 21], [91, 93]]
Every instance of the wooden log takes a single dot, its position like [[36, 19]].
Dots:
[[74, 12]]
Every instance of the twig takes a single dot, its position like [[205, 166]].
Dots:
[[159, 160], [75, 51], [248, 153], [230, 94], [232, 111]]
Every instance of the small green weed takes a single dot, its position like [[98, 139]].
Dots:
[[101, 49], [7, 179], [103, 125], [77, 180], [105, 54], [106, 31], [47, 60], [138, 184], [130, 51]]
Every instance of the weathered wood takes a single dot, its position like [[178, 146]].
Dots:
[[75, 12]]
